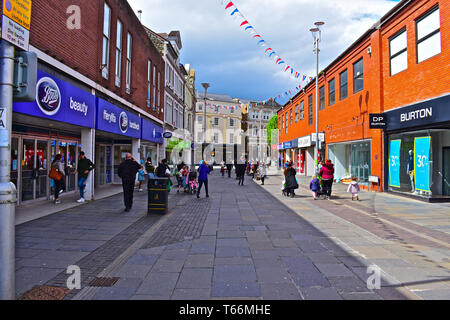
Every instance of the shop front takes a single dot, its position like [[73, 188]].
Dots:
[[118, 132], [51, 125], [351, 160], [152, 139], [305, 156], [417, 141]]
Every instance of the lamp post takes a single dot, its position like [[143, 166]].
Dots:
[[317, 35], [206, 86]]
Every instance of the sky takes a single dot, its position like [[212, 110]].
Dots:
[[230, 59]]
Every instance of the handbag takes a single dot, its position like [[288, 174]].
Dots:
[[55, 174]]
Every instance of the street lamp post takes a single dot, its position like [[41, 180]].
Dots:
[[206, 86], [317, 34]]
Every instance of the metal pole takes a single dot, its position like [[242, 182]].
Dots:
[[8, 192], [204, 124], [316, 156]]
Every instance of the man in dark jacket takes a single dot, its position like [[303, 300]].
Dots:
[[127, 172], [84, 167]]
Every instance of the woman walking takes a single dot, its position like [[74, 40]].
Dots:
[[262, 172], [59, 184], [291, 181], [327, 174]]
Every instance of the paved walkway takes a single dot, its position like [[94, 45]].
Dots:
[[242, 243]]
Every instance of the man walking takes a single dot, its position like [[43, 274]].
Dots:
[[229, 169], [127, 172], [203, 171], [84, 167]]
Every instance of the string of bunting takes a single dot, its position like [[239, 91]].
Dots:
[[269, 51]]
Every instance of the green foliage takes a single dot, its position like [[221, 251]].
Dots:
[[272, 125]]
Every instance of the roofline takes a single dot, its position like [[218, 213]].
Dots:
[[386, 18]]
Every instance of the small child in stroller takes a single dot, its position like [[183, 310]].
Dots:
[[191, 182]]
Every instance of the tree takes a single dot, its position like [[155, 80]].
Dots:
[[272, 125]]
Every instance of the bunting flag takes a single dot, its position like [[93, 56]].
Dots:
[[236, 13]]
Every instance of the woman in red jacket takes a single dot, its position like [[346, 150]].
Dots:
[[327, 174]]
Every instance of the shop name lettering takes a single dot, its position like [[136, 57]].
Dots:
[[80, 107], [418, 114], [111, 118]]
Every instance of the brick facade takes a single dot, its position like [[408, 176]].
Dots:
[[348, 119], [81, 49]]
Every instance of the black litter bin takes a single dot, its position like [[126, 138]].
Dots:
[[158, 196]]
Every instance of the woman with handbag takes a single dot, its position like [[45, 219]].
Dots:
[[57, 173]]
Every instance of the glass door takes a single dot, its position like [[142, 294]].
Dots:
[[28, 166], [109, 164], [42, 169], [102, 163], [15, 161], [446, 172], [120, 153], [71, 166]]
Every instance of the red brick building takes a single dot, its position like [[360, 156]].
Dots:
[[100, 90], [397, 68]]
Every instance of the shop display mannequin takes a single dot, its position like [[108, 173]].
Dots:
[[410, 170]]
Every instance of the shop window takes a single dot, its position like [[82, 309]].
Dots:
[[428, 35], [358, 76], [331, 93], [149, 84], [129, 48], [398, 53], [296, 113], [322, 97], [343, 77]]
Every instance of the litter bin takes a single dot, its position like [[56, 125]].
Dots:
[[158, 196]]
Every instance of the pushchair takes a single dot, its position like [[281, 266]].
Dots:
[[191, 184]]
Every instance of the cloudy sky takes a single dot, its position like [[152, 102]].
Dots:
[[227, 57]]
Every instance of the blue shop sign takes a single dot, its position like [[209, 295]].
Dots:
[[60, 101], [420, 114], [111, 118], [151, 132]]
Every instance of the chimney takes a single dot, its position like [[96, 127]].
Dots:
[[140, 15]]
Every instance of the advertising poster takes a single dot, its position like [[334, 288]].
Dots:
[[394, 163], [422, 148]]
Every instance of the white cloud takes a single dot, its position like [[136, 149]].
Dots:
[[223, 54]]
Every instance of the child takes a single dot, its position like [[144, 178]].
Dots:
[[354, 189], [315, 187], [222, 170], [141, 178]]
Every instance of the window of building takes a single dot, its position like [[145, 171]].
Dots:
[[200, 107], [296, 113], [154, 87], [302, 110], [200, 119], [159, 90], [231, 122], [428, 35], [119, 52], [149, 84], [344, 85], [216, 138], [106, 40], [398, 52], [216, 121], [310, 109], [331, 93], [322, 97], [231, 138], [358, 76], [129, 49], [291, 117]]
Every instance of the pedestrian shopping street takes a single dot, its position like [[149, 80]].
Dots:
[[246, 242]]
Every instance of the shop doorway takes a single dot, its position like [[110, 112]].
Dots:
[[446, 171], [34, 173], [104, 165]]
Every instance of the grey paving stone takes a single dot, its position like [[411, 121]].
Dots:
[[310, 278], [158, 284], [265, 254], [234, 273], [334, 270], [28, 277], [226, 252], [322, 257], [148, 260], [199, 261], [288, 252], [267, 262], [132, 271], [360, 296], [279, 291], [235, 290], [273, 275], [144, 297], [175, 254], [442, 294], [195, 279], [191, 294], [114, 293], [163, 265], [237, 242], [230, 234], [348, 284], [203, 249], [233, 261], [321, 294]]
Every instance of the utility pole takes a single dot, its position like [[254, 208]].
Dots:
[[8, 192]]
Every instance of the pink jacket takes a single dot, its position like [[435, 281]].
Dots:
[[354, 187], [327, 171]]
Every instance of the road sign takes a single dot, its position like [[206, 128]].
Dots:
[[16, 22]]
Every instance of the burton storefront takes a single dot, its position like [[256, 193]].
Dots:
[[418, 144]]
